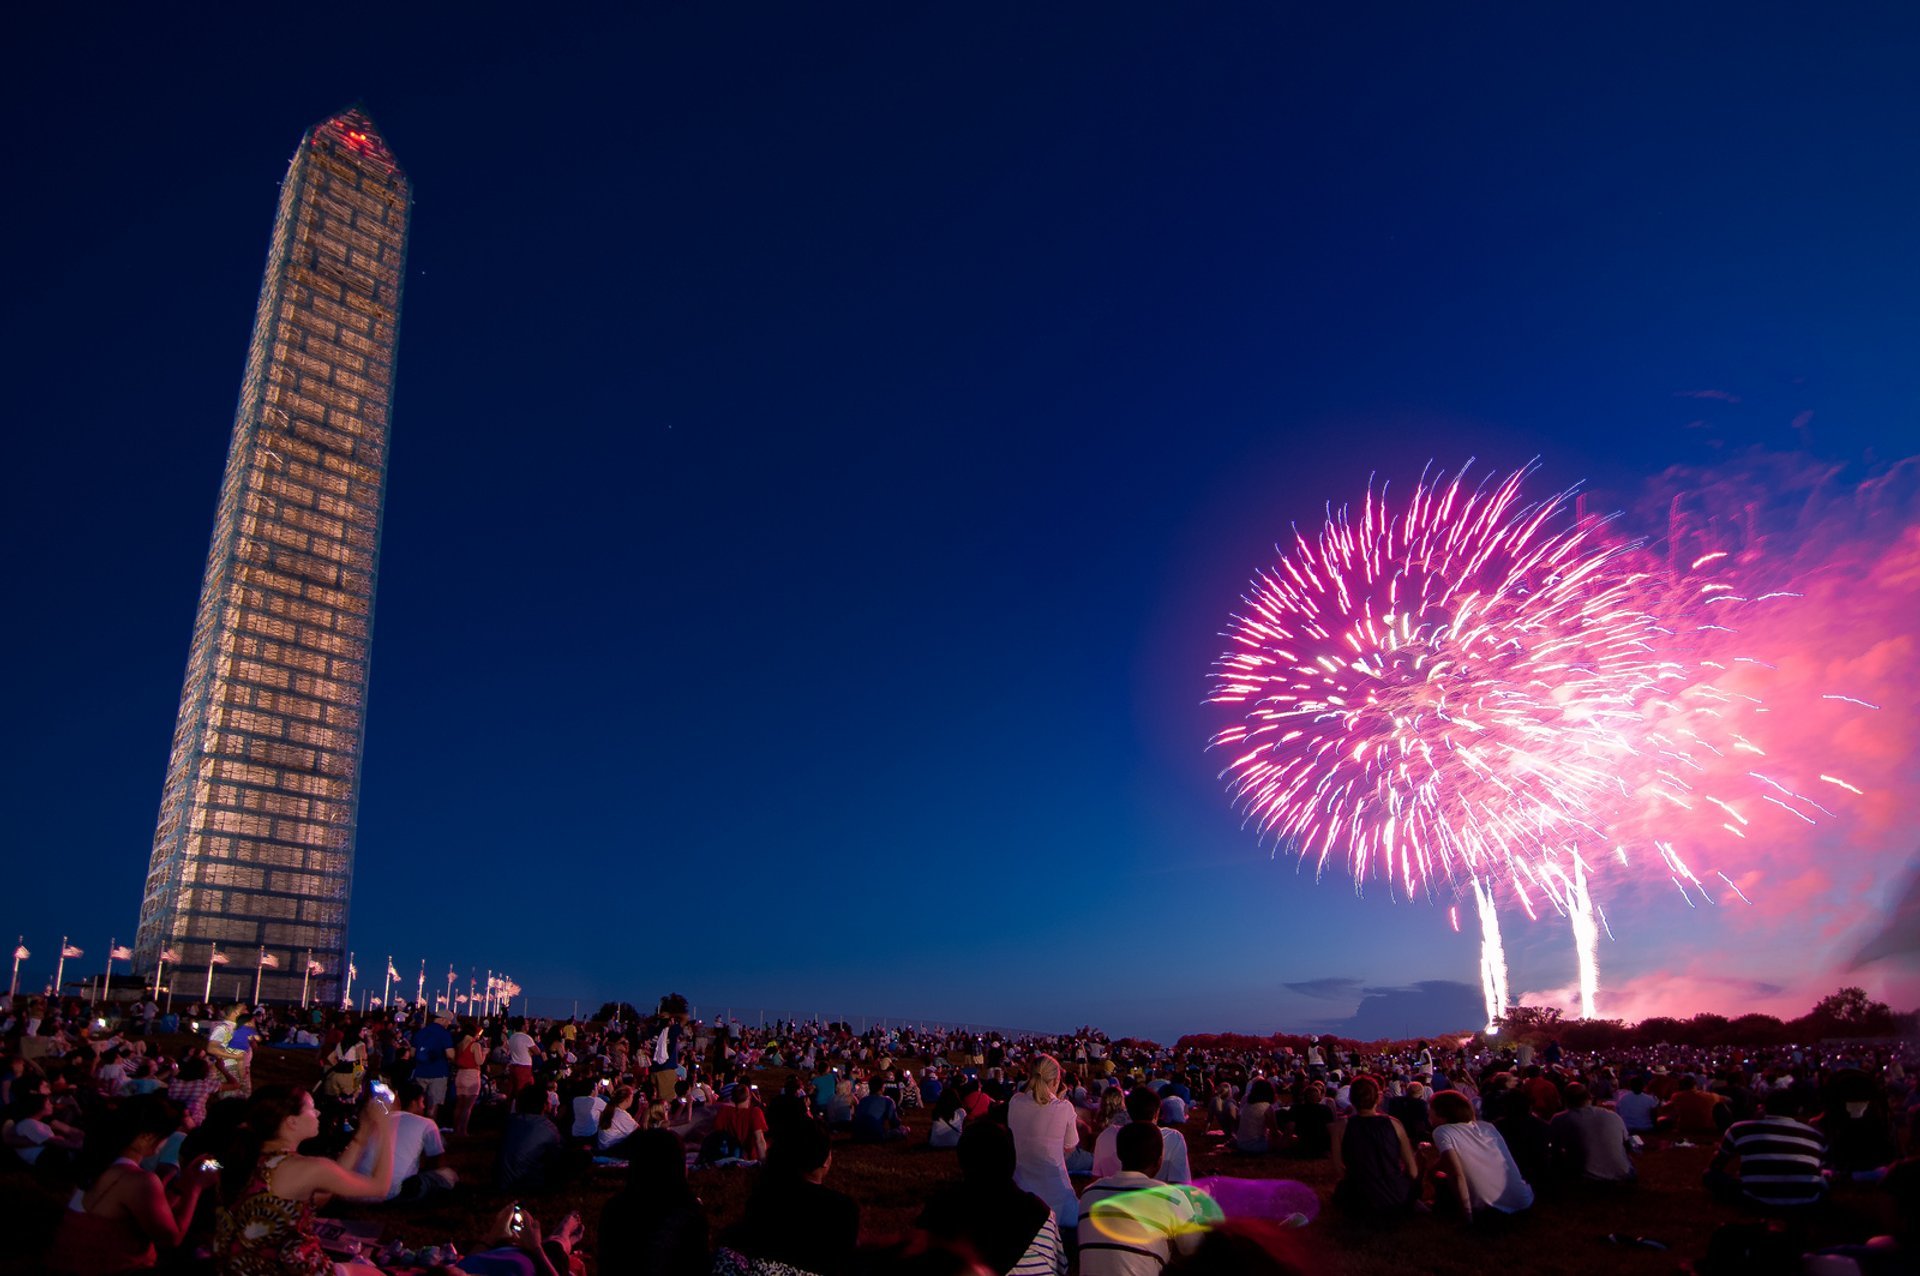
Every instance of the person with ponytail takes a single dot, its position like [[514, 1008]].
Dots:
[[267, 1228], [617, 1123], [1045, 1127], [121, 1215]]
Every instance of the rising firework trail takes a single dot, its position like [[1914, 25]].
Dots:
[[1462, 690]]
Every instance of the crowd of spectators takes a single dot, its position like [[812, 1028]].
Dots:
[[1068, 1145]]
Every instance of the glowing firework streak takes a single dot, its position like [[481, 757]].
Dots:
[[1572, 895], [1493, 957]]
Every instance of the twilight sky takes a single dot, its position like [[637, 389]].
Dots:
[[827, 449]]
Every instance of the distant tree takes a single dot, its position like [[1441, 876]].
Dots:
[[1848, 1013], [1756, 1030], [1533, 1024], [1660, 1030], [626, 1013], [1594, 1034], [1706, 1029]]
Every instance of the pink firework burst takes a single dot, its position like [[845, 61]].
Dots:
[[1436, 691]]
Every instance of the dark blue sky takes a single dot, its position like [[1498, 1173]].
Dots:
[[828, 443]]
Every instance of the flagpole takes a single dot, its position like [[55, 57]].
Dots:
[[207, 996], [109, 983], [20, 946], [346, 995], [159, 972], [488, 1003], [449, 989], [420, 989], [60, 967], [259, 969], [306, 978], [386, 989]]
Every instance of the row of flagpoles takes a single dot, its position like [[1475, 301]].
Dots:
[[492, 997], [68, 951]]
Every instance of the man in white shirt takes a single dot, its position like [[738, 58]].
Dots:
[[1131, 1222], [1475, 1156], [416, 1142], [521, 1050], [1143, 1105]]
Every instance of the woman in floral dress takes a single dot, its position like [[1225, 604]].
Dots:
[[267, 1227]]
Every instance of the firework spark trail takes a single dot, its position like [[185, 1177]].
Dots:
[[1571, 893], [1462, 689], [1493, 957]]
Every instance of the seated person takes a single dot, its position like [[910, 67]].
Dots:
[[1410, 1110], [515, 1246], [974, 1100], [416, 1146], [1309, 1122], [1690, 1110], [1475, 1159], [1637, 1109], [824, 1086], [586, 1111], [743, 1123], [1373, 1155], [530, 1146], [840, 1107], [617, 1123], [1525, 1134], [791, 1217], [1589, 1143], [1773, 1162], [949, 1120], [655, 1224], [1223, 1109], [1858, 1125], [988, 1216], [786, 1108], [1131, 1222], [1253, 1128], [122, 1216], [876, 1118], [31, 1128], [1142, 1104]]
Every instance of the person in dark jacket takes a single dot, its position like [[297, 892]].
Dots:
[[655, 1226], [791, 1216]]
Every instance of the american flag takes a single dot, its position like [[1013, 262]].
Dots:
[[219, 958], [71, 951], [315, 968], [269, 961], [167, 954], [122, 953], [21, 953]]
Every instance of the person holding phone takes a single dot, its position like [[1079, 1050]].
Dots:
[[122, 1216], [272, 1190]]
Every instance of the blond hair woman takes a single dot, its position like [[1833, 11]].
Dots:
[[1045, 1128]]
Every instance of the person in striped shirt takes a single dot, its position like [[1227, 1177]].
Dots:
[[1776, 1160]]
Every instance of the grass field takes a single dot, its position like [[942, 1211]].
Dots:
[[1564, 1233]]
